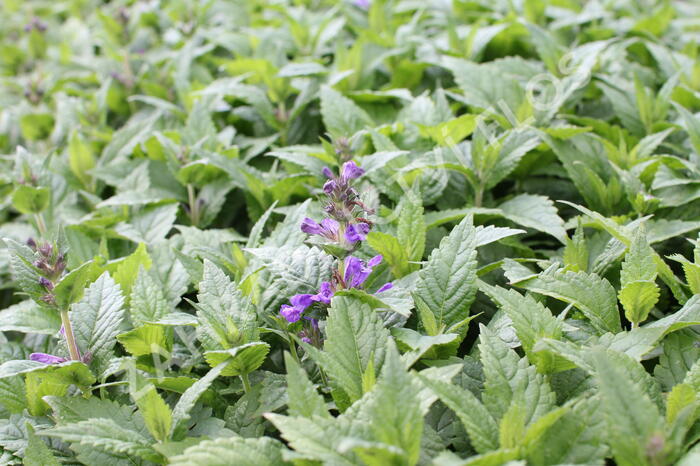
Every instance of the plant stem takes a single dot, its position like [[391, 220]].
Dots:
[[479, 196], [194, 209], [70, 338], [293, 348], [246, 383], [40, 224]]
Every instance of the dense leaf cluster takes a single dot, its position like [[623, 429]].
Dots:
[[507, 271]]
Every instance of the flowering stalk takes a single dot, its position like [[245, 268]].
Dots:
[[340, 234], [50, 265]]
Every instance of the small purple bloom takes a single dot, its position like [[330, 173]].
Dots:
[[327, 172], [46, 283], [306, 340], [329, 186], [364, 4], [46, 358], [356, 272], [299, 304], [350, 171], [385, 287], [325, 293], [328, 228], [356, 232]]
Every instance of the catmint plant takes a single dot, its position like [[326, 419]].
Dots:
[[50, 264], [340, 234]]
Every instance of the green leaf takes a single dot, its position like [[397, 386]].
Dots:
[[234, 450], [147, 339], [80, 158], [632, 418], [480, 425], [446, 285], [30, 200], [576, 251], [639, 261], [13, 394], [451, 132], [531, 320], [226, 318], [691, 271], [97, 317], [536, 212], [126, 270], [509, 379], [574, 434], [680, 397], [511, 429], [184, 406], [304, 400], [394, 408], [341, 115], [638, 299], [105, 435], [354, 336], [37, 452], [28, 317], [242, 359], [155, 411], [148, 302], [411, 226], [592, 295], [392, 251], [23, 270]]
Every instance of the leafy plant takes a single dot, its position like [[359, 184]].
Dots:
[[359, 232]]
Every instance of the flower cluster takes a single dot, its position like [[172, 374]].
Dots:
[[50, 263], [344, 229], [345, 225], [356, 273]]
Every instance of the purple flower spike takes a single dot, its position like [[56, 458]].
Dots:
[[351, 171], [356, 232], [46, 358]]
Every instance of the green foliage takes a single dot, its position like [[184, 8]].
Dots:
[[527, 171]]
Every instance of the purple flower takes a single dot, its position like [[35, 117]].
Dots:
[[356, 232], [356, 271], [385, 287], [46, 283], [329, 186], [364, 4], [327, 172], [299, 304], [328, 228], [350, 171], [325, 293], [46, 358]]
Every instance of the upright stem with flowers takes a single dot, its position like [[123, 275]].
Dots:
[[341, 234]]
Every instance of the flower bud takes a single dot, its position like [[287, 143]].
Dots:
[[46, 283]]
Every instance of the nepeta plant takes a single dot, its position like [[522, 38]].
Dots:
[[501, 266], [341, 233]]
